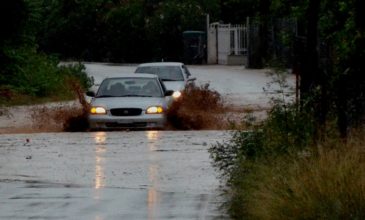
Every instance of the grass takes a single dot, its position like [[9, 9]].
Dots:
[[327, 183]]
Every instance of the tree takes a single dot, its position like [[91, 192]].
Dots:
[[14, 17]]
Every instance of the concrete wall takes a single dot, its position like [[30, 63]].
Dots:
[[212, 45]]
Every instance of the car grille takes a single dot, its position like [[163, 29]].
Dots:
[[125, 111]]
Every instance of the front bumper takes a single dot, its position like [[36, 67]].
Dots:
[[145, 121]]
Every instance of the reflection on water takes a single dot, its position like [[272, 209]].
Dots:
[[152, 200], [152, 135], [100, 149], [99, 173], [98, 217], [153, 197], [100, 138]]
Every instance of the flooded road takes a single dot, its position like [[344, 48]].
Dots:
[[153, 175], [109, 175]]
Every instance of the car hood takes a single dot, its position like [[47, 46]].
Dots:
[[174, 85], [129, 102]]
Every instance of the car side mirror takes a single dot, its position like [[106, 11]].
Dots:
[[191, 79], [169, 93], [90, 93]]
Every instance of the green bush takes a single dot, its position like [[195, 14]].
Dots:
[[329, 185], [31, 74], [286, 132], [35, 74], [77, 71], [279, 168]]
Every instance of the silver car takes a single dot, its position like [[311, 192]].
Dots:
[[131, 101], [175, 75]]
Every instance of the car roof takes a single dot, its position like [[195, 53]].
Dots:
[[161, 64], [133, 75]]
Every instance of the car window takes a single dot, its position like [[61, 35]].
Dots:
[[166, 73], [120, 87]]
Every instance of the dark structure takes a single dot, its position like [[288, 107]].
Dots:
[[195, 47]]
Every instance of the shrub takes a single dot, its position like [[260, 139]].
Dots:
[[77, 71], [275, 171], [280, 169], [32, 75], [286, 132], [330, 185]]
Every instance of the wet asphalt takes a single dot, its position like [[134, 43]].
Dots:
[[110, 175]]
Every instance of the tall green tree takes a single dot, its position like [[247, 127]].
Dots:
[[17, 18], [332, 79], [329, 53], [120, 31]]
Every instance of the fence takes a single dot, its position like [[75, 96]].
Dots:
[[225, 40]]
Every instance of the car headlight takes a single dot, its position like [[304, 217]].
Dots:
[[154, 110], [98, 110], [176, 94]]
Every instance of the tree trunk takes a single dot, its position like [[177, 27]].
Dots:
[[263, 31], [311, 59]]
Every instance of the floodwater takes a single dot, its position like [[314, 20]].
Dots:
[[239, 86], [150, 175], [153, 175]]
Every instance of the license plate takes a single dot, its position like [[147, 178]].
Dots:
[[125, 122]]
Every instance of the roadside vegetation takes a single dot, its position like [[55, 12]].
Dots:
[[280, 168], [308, 184], [28, 75], [37, 78], [306, 160]]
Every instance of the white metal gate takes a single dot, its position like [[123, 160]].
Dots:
[[225, 40]]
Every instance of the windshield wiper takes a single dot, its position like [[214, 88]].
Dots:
[[170, 80], [114, 96], [135, 95]]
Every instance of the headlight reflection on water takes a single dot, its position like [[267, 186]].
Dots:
[[152, 135], [153, 196], [100, 138], [100, 149]]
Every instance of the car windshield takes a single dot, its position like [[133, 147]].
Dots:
[[125, 87], [166, 73]]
